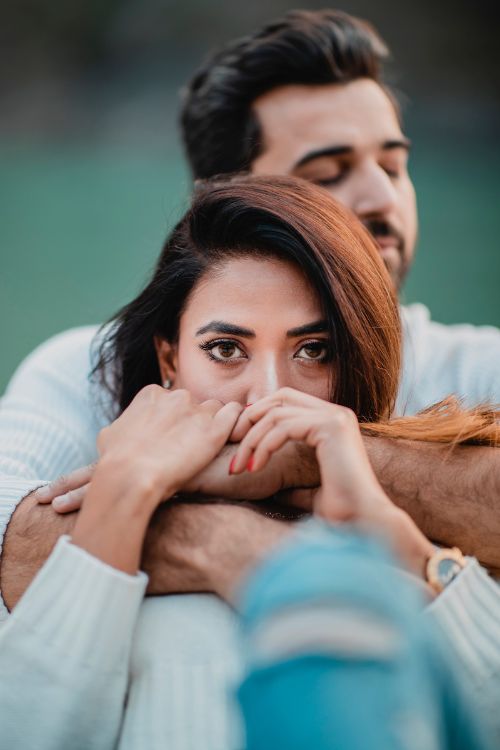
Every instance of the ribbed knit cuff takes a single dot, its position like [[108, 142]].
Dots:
[[82, 606], [12, 492], [468, 611]]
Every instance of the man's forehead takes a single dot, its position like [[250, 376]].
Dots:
[[299, 119]]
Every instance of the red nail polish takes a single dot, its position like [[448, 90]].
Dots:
[[231, 465], [250, 464]]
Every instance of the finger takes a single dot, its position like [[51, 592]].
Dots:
[[256, 434], [336, 507], [211, 406], [283, 397], [255, 412], [240, 429], [70, 501], [224, 420], [248, 418], [343, 462], [65, 484], [291, 424], [270, 443]]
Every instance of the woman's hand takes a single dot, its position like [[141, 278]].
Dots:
[[159, 442], [164, 438], [349, 489]]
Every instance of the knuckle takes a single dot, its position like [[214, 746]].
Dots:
[[214, 402], [181, 395], [150, 391], [343, 418], [60, 483]]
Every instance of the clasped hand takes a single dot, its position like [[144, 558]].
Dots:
[[164, 439]]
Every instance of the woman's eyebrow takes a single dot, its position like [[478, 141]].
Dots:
[[220, 326], [318, 326]]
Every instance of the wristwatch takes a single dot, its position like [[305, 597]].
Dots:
[[443, 567]]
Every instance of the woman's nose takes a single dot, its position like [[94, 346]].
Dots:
[[264, 380]]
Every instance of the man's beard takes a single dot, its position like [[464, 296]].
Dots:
[[380, 228]]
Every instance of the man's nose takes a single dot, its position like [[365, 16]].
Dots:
[[375, 193], [265, 379]]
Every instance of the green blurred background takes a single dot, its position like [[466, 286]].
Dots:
[[92, 172]]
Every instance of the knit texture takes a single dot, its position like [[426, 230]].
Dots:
[[182, 652]]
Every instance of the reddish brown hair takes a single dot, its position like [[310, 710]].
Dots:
[[296, 221]]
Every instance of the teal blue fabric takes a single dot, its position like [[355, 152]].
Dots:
[[326, 697]]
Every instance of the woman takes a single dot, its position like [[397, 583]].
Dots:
[[267, 296]]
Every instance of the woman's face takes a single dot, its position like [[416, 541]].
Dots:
[[252, 326]]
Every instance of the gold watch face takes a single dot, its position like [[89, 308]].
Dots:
[[447, 570], [444, 566]]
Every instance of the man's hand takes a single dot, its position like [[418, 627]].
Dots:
[[66, 493], [294, 465]]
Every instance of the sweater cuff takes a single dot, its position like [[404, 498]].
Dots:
[[468, 611], [85, 607], [12, 492]]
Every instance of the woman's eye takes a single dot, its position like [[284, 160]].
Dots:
[[223, 350], [313, 350], [226, 350]]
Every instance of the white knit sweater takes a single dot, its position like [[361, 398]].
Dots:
[[66, 659]]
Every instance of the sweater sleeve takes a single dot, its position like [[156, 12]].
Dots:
[[48, 421], [468, 612], [64, 658]]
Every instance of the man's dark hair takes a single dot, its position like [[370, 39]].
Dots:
[[220, 131]]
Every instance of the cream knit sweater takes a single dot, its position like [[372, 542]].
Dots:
[[67, 661]]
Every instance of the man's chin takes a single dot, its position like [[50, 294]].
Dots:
[[391, 257]]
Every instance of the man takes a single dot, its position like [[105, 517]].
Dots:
[[302, 96]]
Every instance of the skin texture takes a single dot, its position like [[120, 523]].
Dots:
[[451, 495], [187, 547], [133, 475], [370, 176], [163, 438], [269, 299], [159, 442]]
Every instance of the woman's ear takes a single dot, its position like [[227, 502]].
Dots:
[[167, 360]]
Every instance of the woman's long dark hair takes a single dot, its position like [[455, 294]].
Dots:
[[293, 220]]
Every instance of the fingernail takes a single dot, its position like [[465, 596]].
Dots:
[[231, 465], [250, 464], [60, 502], [42, 493]]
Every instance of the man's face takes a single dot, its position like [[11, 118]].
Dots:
[[347, 138]]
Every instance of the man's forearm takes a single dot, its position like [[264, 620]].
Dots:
[[34, 530], [29, 539], [452, 494], [188, 547]]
